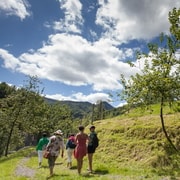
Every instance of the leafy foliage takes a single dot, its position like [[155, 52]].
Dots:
[[159, 80], [24, 115]]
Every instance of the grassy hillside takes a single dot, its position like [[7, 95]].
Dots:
[[137, 144], [132, 147]]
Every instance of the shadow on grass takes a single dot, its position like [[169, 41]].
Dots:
[[85, 175], [56, 176], [73, 168], [60, 176], [45, 167], [58, 163], [94, 173], [101, 171]]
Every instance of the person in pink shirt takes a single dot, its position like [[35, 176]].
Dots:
[[80, 151]]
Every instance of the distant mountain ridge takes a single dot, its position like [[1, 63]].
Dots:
[[80, 109]]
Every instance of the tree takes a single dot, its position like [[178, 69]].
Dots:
[[5, 91], [58, 116], [19, 113], [159, 80], [24, 114]]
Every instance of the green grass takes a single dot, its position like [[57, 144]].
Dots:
[[131, 148], [9, 164]]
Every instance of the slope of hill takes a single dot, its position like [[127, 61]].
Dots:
[[137, 144], [131, 147]]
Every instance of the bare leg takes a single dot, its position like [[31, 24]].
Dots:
[[70, 165], [51, 162], [90, 158], [51, 170], [81, 163], [79, 166], [39, 164]]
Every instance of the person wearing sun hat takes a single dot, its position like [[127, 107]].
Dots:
[[56, 143]]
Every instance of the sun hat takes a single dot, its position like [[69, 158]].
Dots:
[[58, 132]]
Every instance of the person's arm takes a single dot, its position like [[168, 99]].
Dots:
[[88, 139], [62, 148], [62, 153], [49, 144], [37, 147], [76, 139], [67, 144]]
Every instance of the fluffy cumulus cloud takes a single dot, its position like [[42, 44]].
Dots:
[[74, 61], [15, 7], [128, 19], [73, 18]]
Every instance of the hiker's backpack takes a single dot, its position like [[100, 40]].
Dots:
[[71, 143], [95, 141]]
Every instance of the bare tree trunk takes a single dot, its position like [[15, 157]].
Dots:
[[10, 133], [92, 118], [9, 138], [163, 127]]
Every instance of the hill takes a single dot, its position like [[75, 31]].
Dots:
[[80, 109], [131, 147]]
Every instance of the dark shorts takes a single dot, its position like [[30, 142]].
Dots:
[[91, 149]]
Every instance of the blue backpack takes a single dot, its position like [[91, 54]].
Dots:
[[71, 143]]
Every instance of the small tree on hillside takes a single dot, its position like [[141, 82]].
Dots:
[[159, 80]]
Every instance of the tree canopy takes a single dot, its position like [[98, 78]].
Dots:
[[159, 80], [24, 115]]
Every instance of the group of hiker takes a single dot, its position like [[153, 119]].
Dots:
[[77, 145]]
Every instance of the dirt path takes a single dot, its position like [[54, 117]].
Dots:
[[23, 170]]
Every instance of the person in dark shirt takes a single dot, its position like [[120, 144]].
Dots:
[[70, 146], [92, 145]]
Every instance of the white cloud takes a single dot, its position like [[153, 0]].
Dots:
[[15, 8], [128, 19], [85, 63], [121, 104], [73, 18], [10, 61], [92, 98]]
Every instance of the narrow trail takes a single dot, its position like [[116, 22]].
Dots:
[[23, 170]]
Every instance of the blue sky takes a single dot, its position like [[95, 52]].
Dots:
[[77, 48]]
